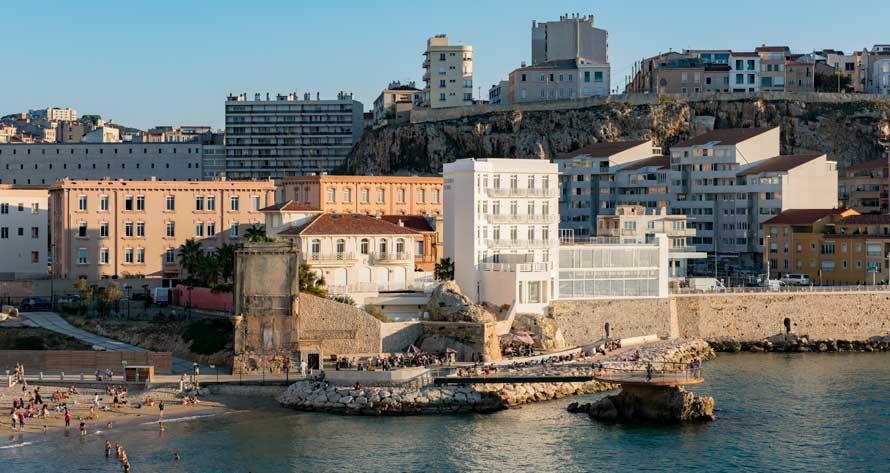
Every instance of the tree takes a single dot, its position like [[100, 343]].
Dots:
[[107, 296], [190, 254], [86, 295], [311, 282], [257, 234], [832, 82], [225, 257], [207, 268], [444, 269]]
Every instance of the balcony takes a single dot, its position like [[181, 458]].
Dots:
[[517, 267], [521, 192], [330, 258], [391, 257], [521, 218], [501, 243]]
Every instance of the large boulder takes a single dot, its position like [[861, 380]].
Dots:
[[545, 331], [667, 405], [448, 304]]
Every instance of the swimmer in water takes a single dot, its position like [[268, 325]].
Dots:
[[107, 449], [176, 456]]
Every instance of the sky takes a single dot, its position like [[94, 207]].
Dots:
[[146, 63]]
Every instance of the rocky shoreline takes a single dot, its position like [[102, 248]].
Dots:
[[793, 343], [664, 405], [478, 398]]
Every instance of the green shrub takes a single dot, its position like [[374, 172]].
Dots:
[[376, 312], [206, 337], [28, 343]]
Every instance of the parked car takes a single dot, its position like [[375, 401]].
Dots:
[[705, 284], [69, 299], [796, 280], [773, 284], [34, 304]]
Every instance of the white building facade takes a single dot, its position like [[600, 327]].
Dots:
[[448, 74], [24, 228]]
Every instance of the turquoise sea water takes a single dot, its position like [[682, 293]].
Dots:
[[777, 412]]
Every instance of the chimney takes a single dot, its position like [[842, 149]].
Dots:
[[401, 223], [317, 95]]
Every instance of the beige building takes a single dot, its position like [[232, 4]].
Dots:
[[23, 231], [772, 67], [117, 229], [396, 102], [637, 224], [103, 134], [558, 80], [571, 37], [448, 73], [864, 187], [373, 195]]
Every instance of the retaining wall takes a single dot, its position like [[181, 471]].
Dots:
[[583, 322], [75, 362]]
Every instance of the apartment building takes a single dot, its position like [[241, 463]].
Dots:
[[744, 71], [285, 136], [53, 114], [501, 228], [772, 67], [558, 80], [396, 102], [728, 182], [864, 186], [591, 184], [637, 224], [373, 195], [448, 74], [830, 246], [24, 229], [103, 134], [499, 94], [868, 70], [43, 163], [573, 36], [118, 229]]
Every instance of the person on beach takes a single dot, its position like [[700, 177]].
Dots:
[[67, 418], [83, 429], [22, 421], [649, 370], [14, 419], [161, 409]]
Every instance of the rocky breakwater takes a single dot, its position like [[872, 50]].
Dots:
[[481, 398], [791, 342], [312, 396], [664, 404]]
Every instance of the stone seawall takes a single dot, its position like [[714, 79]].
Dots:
[[583, 322], [482, 398]]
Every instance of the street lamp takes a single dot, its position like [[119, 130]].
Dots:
[[52, 278]]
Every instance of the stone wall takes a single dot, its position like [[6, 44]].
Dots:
[[851, 316], [338, 328], [76, 362], [398, 336], [472, 341], [583, 322]]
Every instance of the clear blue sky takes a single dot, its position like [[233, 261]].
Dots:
[[146, 63]]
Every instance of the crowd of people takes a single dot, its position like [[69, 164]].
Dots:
[[387, 362]]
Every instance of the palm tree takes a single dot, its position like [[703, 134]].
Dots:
[[255, 233], [207, 268], [444, 269], [311, 282], [225, 257], [190, 254]]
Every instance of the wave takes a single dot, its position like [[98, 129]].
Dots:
[[180, 419], [16, 445]]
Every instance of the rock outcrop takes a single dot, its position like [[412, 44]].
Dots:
[[448, 304], [650, 404], [791, 342], [850, 129], [543, 329]]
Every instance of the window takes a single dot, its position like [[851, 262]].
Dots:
[[211, 202], [211, 229], [140, 255], [171, 203], [4, 208], [171, 229], [381, 196], [421, 196], [256, 202], [103, 230], [82, 256], [82, 203], [435, 198], [128, 202], [21, 231], [199, 202], [35, 255], [35, 208], [364, 246], [140, 202], [586, 76], [170, 256], [347, 195], [382, 246], [400, 246], [128, 255], [4, 232], [233, 230], [341, 247], [82, 230], [315, 247], [128, 229], [234, 203], [366, 196], [598, 76], [140, 229], [828, 248], [35, 232], [199, 229], [419, 251], [400, 196]]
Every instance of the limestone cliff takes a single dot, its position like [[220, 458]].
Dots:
[[850, 129]]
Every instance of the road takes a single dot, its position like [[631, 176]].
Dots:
[[52, 321]]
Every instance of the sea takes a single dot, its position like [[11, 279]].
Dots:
[[775, 412]]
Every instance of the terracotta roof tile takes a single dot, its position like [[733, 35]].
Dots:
[[779, 164], [866, 165], [802, 216], [414, 222], [351, 224], [726, 136], [660, 161], [290, 206], [600, 150], [866, 219]]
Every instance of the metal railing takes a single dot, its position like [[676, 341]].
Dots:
[[638, 372], [521, 192], [756, 290], [390, 256], [344, 256], [517, 267], [522, 218], [504, 243]]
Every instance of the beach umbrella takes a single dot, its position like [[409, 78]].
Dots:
[[413, 349]]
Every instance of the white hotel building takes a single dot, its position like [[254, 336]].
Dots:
[[501, 219], [24, 231]]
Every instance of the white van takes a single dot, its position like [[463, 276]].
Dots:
[[796, 279]]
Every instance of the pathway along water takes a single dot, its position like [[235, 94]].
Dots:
[[824, 412]]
